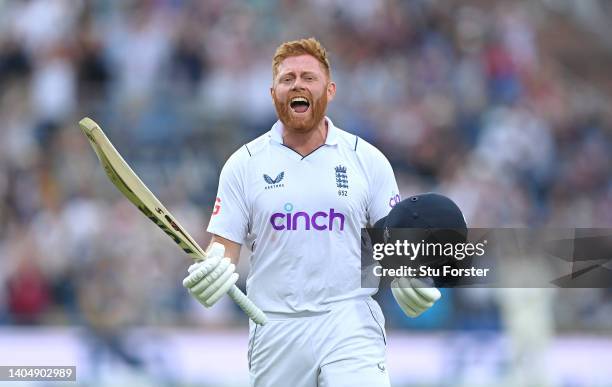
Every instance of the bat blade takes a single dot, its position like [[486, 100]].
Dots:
[[126, 180], [130, 185]]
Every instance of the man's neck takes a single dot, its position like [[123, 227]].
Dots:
[[305, 143]]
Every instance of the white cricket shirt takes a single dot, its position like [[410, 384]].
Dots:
[[301, 216]]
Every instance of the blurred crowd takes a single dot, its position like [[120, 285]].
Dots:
[[464, 100]]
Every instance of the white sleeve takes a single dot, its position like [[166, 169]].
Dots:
[[384, 193], [230, 216]]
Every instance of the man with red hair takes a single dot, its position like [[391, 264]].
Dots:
[[297, 197]]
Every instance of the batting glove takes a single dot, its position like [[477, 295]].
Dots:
[[210, 279], [413, 295]]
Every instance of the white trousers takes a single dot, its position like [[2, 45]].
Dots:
[[344, 347]]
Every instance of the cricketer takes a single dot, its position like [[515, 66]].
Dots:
[[297, 197]]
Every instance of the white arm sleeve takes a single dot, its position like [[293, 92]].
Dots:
[[230, 216], [384, 193]]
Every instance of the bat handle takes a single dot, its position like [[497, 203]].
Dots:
[[247, 306]]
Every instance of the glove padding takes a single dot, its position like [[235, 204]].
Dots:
[[413, 295], [210, 279]]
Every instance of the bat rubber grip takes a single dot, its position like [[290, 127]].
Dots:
[[247, 306]]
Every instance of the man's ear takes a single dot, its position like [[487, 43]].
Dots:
[[331, 91]]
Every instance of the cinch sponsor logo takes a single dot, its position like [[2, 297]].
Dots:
[[319, 221]]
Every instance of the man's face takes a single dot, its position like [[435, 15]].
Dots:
[[301, 91]]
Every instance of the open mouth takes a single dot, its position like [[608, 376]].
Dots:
[[299, 104]]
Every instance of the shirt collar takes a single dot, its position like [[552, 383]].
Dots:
[[276, 133]]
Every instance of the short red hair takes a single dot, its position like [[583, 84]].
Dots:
[[310, 46]]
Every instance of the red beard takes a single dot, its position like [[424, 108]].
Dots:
[[316, 113]]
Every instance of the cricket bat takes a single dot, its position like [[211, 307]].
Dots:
[[130, 185]]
